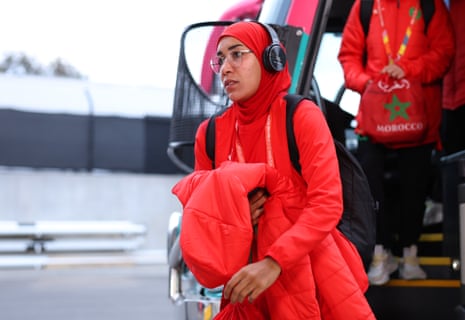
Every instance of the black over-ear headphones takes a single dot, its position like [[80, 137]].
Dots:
[[274, 57]]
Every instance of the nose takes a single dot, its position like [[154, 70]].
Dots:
[[226, 66]]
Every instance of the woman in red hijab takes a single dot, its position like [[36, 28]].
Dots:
[[255, 76]]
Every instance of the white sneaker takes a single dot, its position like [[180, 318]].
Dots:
[[382, 265], [392, 263], [410, 268]]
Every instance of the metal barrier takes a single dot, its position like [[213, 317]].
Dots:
[[70, 236], [461, 196], [454, 223], [183, 288]]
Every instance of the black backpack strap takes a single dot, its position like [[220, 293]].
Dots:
[[210, 136], [210, 139], [292, 101], [366, 9], [427, 8]]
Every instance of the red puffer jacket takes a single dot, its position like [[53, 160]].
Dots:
[[216, 238], [454, 81], [427, 57], [216, 234]]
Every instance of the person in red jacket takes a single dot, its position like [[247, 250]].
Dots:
[[253, 70], [427, 55], [454, 86], [453, 112]]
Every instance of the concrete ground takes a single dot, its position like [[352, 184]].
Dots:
[[91, 293]]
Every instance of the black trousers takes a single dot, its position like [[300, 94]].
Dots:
[[399, 180]]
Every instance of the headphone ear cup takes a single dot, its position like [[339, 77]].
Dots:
[[274, 58]]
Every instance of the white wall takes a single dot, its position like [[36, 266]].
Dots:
[[30, 195]]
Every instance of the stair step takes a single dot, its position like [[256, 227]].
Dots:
[[435, 261], [424, 283], [398, 301], [431, 237], [432, 261]]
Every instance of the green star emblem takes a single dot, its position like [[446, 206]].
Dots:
[[412, 10], [397, 108]]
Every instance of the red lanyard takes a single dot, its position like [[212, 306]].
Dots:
[[269, 149], [408, 33]]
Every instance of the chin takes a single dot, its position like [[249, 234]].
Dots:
[[233, 97]]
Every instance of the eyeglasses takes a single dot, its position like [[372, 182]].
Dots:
[[234, 57]]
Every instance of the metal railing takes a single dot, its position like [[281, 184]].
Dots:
[[23, 244]]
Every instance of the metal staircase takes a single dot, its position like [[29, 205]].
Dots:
[[441, 295]]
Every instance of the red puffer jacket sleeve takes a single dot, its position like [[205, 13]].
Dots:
[[352, 52], [321, 202], [454, 81]]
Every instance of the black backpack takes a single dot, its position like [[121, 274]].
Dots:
[[366, 8], [358, 222]]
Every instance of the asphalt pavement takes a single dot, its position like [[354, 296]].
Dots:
[[90, 293]]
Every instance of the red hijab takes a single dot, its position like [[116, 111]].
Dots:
[[255, 36]]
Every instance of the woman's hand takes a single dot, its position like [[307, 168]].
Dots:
[[257, 199], [252, 280], [394, 71]]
